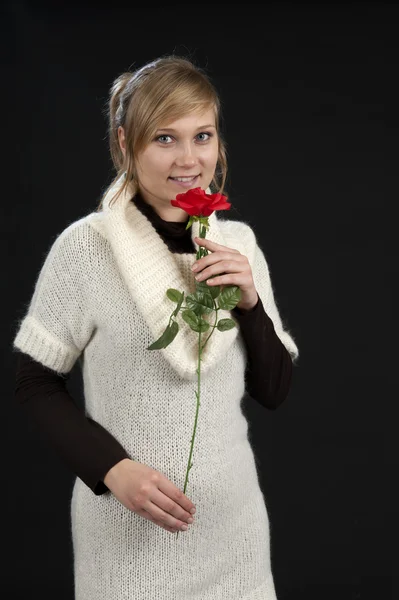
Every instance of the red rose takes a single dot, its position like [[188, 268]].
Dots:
[[198, 203]]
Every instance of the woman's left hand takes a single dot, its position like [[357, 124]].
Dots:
[[233, 265]]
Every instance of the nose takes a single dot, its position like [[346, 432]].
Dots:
[[185, 156]]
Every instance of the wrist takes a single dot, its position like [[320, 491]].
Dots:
[[247, 306], [113, 472]]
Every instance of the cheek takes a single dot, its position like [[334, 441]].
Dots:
[[163, 161], [155, 162], [211, 156]]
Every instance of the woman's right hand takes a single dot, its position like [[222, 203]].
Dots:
[[150, 494]]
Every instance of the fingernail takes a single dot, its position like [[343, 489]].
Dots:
[[184, 527], [192, 511]]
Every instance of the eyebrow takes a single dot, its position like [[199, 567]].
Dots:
[[174, 130]]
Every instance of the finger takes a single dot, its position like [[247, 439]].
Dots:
[[213, 245], [225, 258], [223, 267], [147, 515], [171, 507], [164, 517], [226, 279], [173, 492], [170, 529]]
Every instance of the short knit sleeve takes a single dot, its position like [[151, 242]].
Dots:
[[264, 287], [58, 325]]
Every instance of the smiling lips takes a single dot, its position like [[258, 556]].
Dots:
[[184, 178], [185, 182]]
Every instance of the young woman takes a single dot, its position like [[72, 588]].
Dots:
[[100, 299]]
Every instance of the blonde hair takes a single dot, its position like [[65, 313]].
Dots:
[[143, 100]]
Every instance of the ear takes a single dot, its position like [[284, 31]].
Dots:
[[121, 139]]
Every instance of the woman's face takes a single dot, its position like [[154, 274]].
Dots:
[[183, 148]]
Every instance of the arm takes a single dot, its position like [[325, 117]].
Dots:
[[269, 368], [84, 445]]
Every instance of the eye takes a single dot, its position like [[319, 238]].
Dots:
[[206, 133], [159, 138]]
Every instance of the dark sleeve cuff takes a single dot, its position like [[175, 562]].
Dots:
[[255, 325], [239, 312]]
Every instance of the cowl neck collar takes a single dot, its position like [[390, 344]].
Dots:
[[149, 268]]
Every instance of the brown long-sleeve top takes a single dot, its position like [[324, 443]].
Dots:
[[84, 445]]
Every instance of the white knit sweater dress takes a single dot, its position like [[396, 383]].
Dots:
[[100, 297]]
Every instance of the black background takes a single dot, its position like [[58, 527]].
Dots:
[[310, 115]]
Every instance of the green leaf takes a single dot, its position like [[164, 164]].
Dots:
[[196, 323], [225, 324], [166, 338], [175, 312], [203, 326], [200, 302], [230, 297], [174, 295], [190, 222], [212, 290], [190, 317]]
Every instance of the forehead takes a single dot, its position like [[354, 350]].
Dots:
[[193, 120]]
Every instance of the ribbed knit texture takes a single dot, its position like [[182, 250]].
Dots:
[[100, 297]]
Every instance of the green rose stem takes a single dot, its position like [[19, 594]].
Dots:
[[190, 464], [197, 393], [227, 300]]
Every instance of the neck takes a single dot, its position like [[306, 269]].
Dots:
[[169, 213]]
